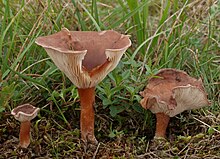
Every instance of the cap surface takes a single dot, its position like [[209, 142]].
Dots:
[[25, 112], [172, 91], [86, 57]]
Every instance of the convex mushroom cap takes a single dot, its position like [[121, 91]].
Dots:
[[173, 91], [86, 57], [25, 112]]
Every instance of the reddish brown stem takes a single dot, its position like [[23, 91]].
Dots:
[[162, 123], [24, 135], [87, 99]]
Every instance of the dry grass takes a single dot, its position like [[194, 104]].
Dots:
[[179, 34], [187, 138]]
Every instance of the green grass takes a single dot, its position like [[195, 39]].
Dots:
[[178, 34]]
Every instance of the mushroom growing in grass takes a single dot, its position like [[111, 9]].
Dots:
[[171, 92], [86, 57], [25, 113]]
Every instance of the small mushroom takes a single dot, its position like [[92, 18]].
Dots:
[[25, 113], [171, 92], [86, 57]]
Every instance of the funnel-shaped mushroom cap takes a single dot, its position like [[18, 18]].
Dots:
[[86, 57], [25, 112], [172, 92]]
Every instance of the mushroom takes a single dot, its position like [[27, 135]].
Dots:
[[171, 92], [86, 57], [25, 113]]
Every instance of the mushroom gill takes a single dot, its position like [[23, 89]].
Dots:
[[86, 57], [171, 92], [25, 113]]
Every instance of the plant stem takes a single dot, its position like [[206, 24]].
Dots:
[[87, 99], [162, 123], [24, 135]]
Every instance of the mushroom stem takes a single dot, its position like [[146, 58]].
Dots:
[[87, 99], [162, 123], [24, 135]]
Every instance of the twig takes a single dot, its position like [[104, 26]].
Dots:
[[184, 148], [147, 146], [206, 124], [149, 154], [96, 151], [186, 154]]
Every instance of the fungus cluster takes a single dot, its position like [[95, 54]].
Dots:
[[171, 92], [86, 57]]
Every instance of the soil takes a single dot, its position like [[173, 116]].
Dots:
[[188, 136]]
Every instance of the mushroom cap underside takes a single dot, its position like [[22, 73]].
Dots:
[[171, 93], [93, 54], [25, 112], [93, 43]]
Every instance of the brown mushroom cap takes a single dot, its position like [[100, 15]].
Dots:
[[172, 92], [86, 57], [25, 112]]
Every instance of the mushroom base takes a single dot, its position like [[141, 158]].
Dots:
[[87, 99], [162, 123], [24, 135]]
